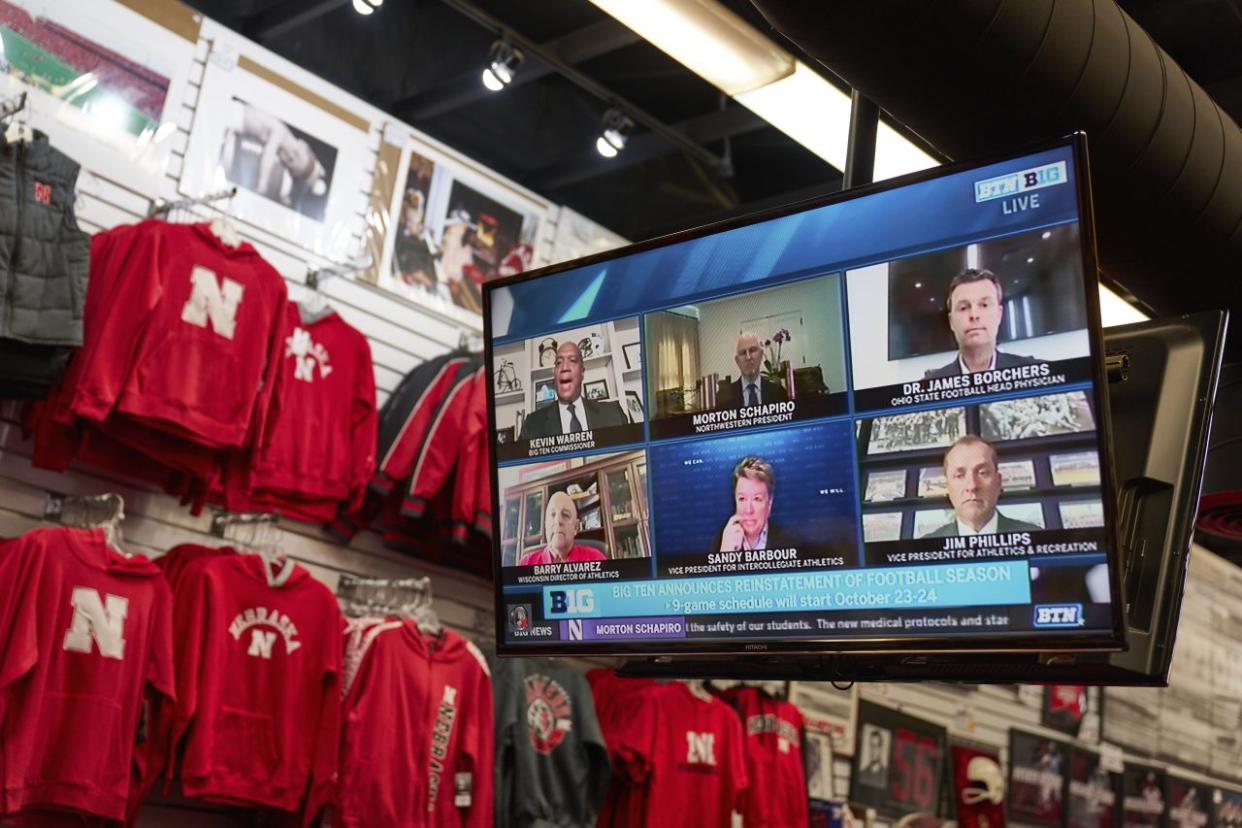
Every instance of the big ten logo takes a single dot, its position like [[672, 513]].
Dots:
[[1058, 615], [572, 601], [700, 748]]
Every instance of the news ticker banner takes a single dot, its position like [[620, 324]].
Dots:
[[953, 622], [953, 585], [989, 200]]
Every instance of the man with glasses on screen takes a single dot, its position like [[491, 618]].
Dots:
[[973, 476], [560, 529], [752, 388], [975, 310], [571, 413]]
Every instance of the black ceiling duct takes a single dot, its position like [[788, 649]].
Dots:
[[983, 77]]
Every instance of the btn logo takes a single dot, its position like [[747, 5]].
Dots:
[[1036, 178], [571, 602], [1058, 615]]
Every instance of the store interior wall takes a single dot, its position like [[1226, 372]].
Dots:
[[403, 334]]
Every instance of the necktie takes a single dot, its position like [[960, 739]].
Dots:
[[752, 397], [575, 425]]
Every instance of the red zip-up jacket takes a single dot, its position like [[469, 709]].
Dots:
[[85, 632], [471, 451], [777, 794], [258, 671], [437, 456], [417, 741]]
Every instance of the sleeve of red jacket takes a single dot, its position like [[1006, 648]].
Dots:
[[128, 290], [151, 755], [478, 740], [398, 461], [438, 457], [19, 624], [465, 485], [190, 618], [364, 425], [483, 487], [322, 791], [266, 409]]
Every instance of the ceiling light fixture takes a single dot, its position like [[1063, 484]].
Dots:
[[617, 128], [740, 61], [366, 7], [503, 61]]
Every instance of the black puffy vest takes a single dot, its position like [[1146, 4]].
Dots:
[[44, 257]]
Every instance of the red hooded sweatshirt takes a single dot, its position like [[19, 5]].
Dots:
[[84, 632]]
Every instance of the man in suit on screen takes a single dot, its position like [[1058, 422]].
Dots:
[[975, 312], [751, 388], [973, 476], [572, 412]]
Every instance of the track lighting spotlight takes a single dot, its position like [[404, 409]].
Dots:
[[365, 7], [617, 128], [503, 61]]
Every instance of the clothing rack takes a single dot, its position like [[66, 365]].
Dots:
[[160, 207], [382, 597], [316, 276], [221, 521]]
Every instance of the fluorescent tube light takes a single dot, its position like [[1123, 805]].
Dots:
[[706, 38]]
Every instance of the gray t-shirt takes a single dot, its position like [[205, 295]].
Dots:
[[551, 761]]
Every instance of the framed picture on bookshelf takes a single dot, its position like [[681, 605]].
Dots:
[[1077, 468], [597, 390], [932, 482], [545, 393], [1017, 475], [885, 485], [632, 351], [881, 526]]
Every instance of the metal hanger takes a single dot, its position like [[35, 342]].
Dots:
[[407, 598], [105, 511]]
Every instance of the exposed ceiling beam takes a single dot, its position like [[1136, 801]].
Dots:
[[714, 126], [578, 46], [591, 86], [287, 16]]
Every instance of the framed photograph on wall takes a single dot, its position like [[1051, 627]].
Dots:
[[1017, 475], [453, 226], [103, 82], [829, 711], [1037, 779], [300, 170], [899, 762]]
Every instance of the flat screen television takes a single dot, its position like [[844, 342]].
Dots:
[[708, 445]]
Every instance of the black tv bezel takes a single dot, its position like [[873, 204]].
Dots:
[[1113, 640]]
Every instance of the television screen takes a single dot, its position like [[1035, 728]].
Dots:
[[877, 422]]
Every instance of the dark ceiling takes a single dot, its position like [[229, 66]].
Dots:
[[421, 61]]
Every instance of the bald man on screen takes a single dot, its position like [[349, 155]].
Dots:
[[560, 529]]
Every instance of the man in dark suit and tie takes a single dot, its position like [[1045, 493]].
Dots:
[[571, 413], [975, 312], [752, 388], [973, 476]]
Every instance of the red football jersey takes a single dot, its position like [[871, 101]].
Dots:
[[322, 442], [417, 741], [84, 631], [777, 796], [258, 666]]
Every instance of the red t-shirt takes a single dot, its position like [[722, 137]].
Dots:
[[577, 553], [84, 631], [777, 795], [691, 751]]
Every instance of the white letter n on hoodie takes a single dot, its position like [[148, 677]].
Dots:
[[210, 300]]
